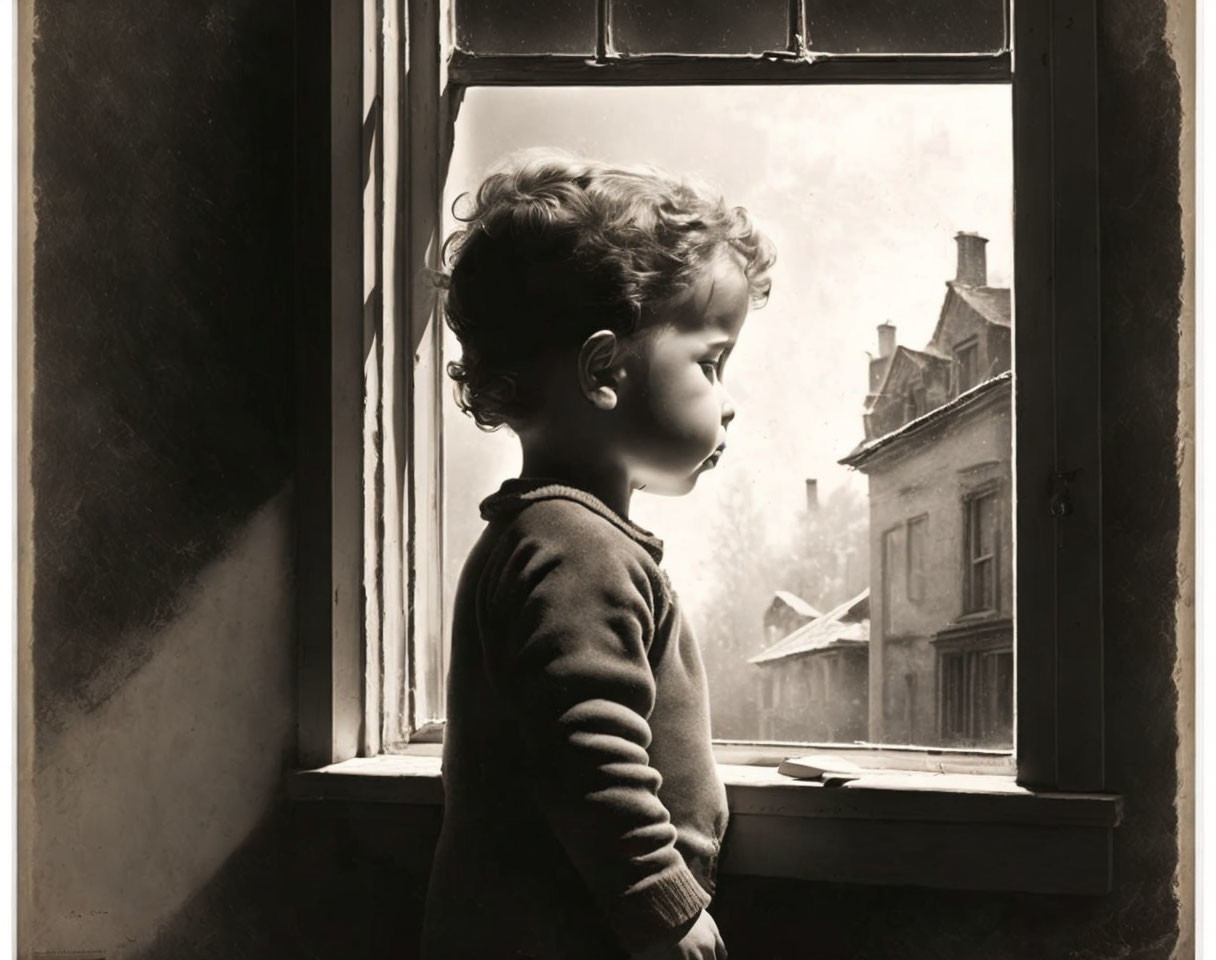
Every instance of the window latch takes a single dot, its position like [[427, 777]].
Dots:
[[1061, 492]]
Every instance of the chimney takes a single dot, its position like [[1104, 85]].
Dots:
[[812, 496], [972, 259], [886, 340]]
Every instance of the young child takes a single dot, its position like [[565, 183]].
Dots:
[[596, 307]]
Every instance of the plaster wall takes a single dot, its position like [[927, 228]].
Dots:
[[931, 480], [158, 664]]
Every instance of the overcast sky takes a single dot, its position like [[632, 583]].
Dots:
[[861, 188]]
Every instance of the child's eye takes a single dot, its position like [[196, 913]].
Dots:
[[711, 369]]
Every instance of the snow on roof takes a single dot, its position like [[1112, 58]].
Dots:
[[845, 625], [991, 303], [796, 603], [921, 359], [867, 448]]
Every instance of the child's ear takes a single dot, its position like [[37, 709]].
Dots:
[[599, 369]]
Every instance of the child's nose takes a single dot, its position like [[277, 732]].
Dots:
[[728, 409]]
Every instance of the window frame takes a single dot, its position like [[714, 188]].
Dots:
[[360, 442]]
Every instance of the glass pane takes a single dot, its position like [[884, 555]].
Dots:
[[906, 26], [891, 211], [525, 26], [707, 26]]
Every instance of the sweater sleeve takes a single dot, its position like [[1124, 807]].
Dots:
[[578, 622]]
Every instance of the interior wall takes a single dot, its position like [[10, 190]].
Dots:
[[162, 689]]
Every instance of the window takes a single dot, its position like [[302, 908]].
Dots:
[[976, 697], [917, 531], [1056, 478], [892, 564], [980, 587], [966, 366]]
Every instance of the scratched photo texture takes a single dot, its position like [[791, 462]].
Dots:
[[848, 567]]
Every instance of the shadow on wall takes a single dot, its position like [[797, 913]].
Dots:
[[162, 299], [151, 807], [231, 916]]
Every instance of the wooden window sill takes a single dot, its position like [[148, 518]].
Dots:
[[912, 828]]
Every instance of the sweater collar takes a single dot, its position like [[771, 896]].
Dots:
[[517, 493]]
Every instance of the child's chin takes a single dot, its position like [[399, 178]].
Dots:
[[671, 488]]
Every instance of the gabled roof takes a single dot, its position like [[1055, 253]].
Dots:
[[847, 625], [866, 450], [795, 603], [917, 358], [991, 303]]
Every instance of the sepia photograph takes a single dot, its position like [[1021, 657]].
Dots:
[[605, 480]]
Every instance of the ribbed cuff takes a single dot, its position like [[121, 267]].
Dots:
[[652, 913]]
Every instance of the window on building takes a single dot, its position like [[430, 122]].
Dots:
[[917, 530], [966, 366], [980, 537], [892, 567], [976, 697]]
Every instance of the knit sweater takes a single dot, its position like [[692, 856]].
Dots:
[[583, 810]]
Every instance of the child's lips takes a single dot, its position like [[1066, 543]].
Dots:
[[713, 458]]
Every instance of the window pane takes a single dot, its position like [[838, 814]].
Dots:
[[892, 576], [526, 26], [700, 26], [885, 203], [916, 559], [906, 26]]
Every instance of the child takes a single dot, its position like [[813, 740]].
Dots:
[[596, 307]]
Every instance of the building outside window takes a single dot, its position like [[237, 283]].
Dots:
[[956, 452]]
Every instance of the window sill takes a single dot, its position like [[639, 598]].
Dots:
[[908, 828]]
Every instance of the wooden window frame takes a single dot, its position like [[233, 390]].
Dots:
[[355, 346]]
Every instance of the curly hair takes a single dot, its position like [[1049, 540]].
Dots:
[[557, 247]]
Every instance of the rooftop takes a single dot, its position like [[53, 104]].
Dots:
[[865, 451], [845, 625], [796, 603], [991, 303]]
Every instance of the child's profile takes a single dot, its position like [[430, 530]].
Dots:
[[596, 308]]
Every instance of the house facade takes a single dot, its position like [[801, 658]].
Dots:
[[938, 457], [814, 681]]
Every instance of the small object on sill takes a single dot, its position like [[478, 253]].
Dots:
[[828, 770]]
